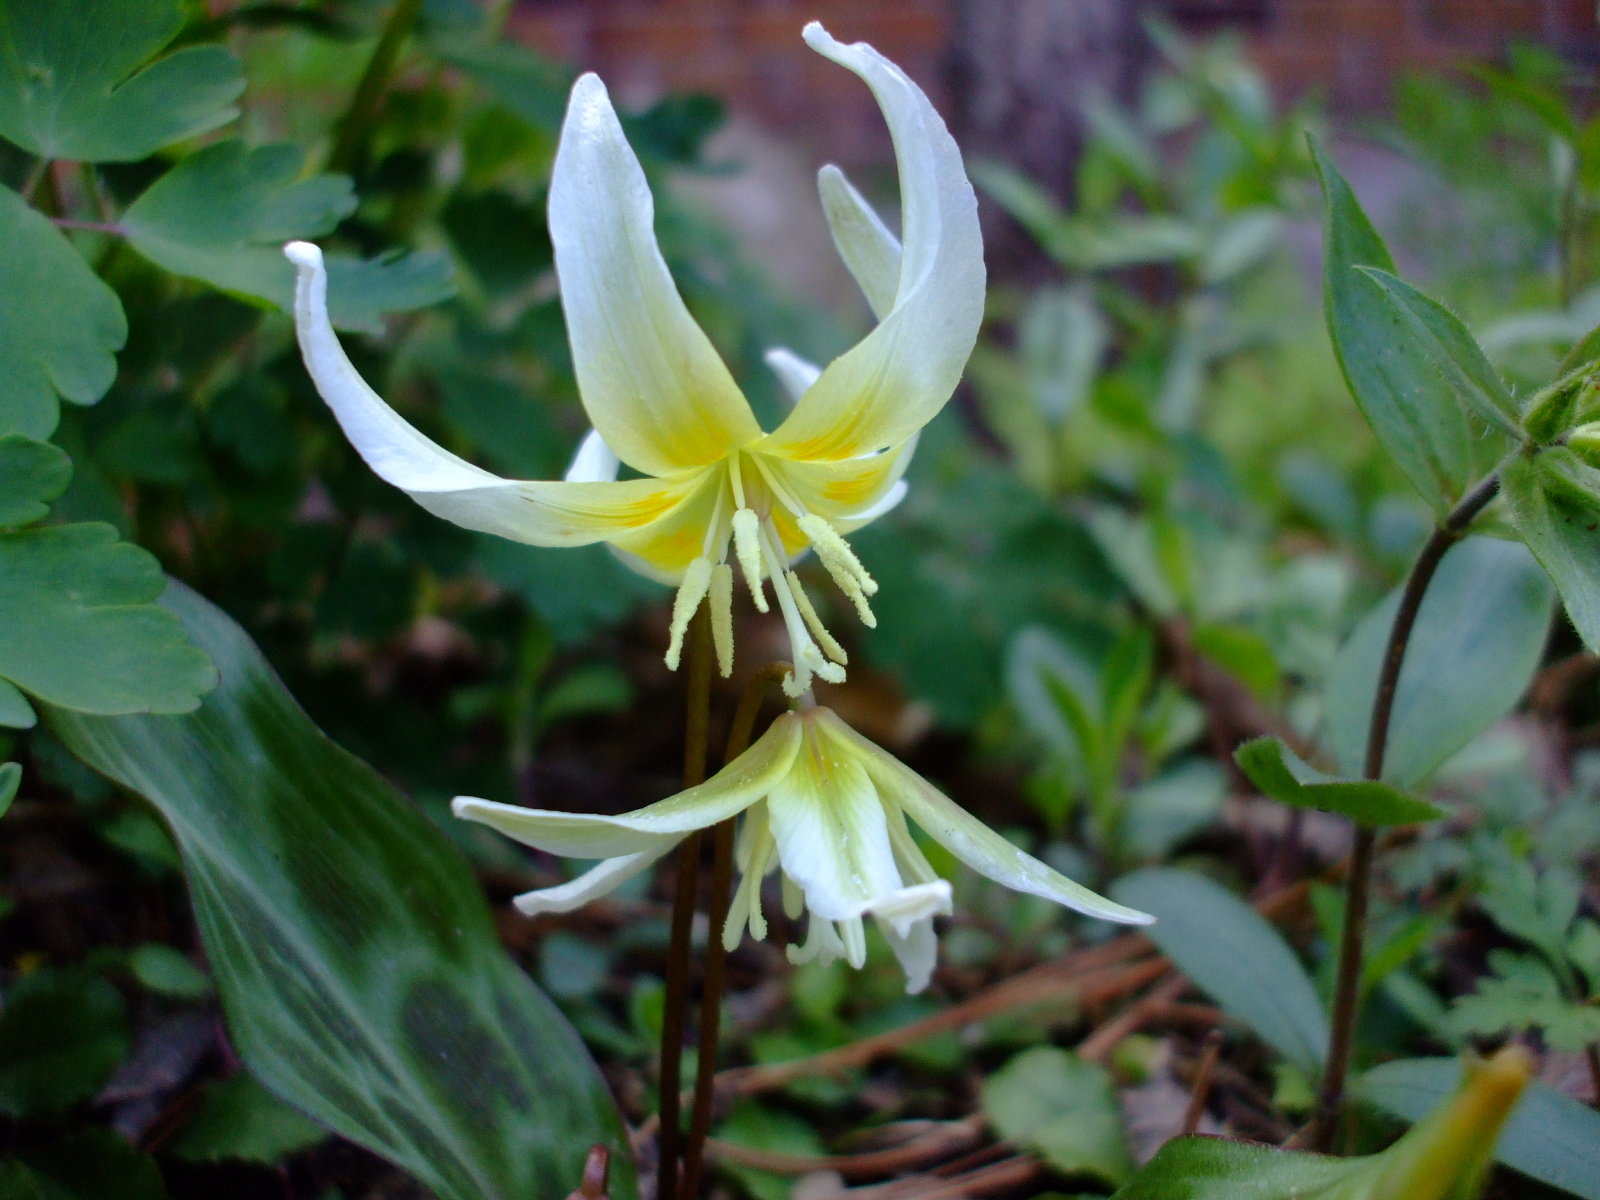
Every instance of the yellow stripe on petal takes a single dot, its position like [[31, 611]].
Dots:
[[650, 380], [840, 490]]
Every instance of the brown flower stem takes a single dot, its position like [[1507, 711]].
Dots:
[[350, 142], [1202, 1083], [695, 737], [744, 723], [1346, 1001]]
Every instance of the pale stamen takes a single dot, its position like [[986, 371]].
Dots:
[[807, 658], [696, 582], [746, 906], [842, 563], [830, 647], [722, 616], [747, 546]]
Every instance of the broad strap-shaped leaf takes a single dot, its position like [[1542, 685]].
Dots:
[[79, 626], [1452, 349], [15, 711], [1399, 389], [223, 214], [60, 326], [1478, 639], [1283, 775], [1231, 952], [74, 81], [351, 947], [32, 473], [1549, 1137], [1562, 527]]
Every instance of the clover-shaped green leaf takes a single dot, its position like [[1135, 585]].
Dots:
[[222, 216], [74, 81], [60, 326], [78, 626], [32, 473]]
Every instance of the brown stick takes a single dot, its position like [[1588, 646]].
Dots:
[[945, 1138], [1202, 1084], [1099, 1044]]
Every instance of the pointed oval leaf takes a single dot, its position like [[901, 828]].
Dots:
[[1399, 390], [1549, 1136], [1478, 639], [1442, 337], [1283, 775], [10, 780], [74, 82], [1562, 528], [1194, 1168], [60, 326], [1065, 1108], [351, 947], [1231, 952]]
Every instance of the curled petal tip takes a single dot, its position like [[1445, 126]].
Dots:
[[303, 255], [462, 805]]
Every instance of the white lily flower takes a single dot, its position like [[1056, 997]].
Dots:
[[828, 809], [662, 401]]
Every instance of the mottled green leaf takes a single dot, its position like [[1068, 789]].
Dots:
[[74, 81], [60, 326], [61, 1036], [1452, 349], [1549, 1137], [1230, 951], [239, 1119], [354, 956], [1054, 1102], [1399, 389], [78, 626], [1281, 774], [1562, 528], [32, 474], [1478, 639]]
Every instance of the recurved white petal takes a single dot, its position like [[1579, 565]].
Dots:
[[584, 835], [833, 839], [541, 514], [864, 242], [969, 839], [917, 950], [595, 462], [793, 372], [892, 382], [600, 880], [650, 380]]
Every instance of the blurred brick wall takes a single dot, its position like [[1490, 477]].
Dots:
[[750, 53]]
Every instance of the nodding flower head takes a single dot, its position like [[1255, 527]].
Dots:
[[711, 483], [832, 814]]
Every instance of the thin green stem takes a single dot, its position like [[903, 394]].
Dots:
[[698, 719], [1347, 993], [705, 1078], [354, 127]]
